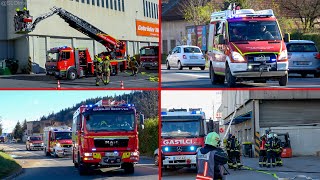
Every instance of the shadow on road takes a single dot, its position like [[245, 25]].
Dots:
[[30, 77]]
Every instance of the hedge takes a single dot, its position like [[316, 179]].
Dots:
[[148, 137], [300, 36]]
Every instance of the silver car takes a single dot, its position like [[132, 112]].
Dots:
[[304, 58]]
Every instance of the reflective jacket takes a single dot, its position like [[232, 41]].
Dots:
[[234, 145], [209, 163], [262, 144]]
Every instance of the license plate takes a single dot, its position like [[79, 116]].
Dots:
[[193, 57], [111, 154], [303, 63], [263, 58], [180, 158]]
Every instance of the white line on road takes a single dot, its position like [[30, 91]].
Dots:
[[193, 75]]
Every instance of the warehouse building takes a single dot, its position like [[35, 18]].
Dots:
[[293, 112], [127, 20]]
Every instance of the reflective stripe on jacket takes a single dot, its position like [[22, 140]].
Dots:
[[205, 165]]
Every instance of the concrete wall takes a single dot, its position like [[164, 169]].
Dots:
[[3, 20], [232, 99], [173, 30], [302, 94], [302, 139]]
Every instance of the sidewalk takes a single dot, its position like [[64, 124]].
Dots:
[[307, 166]]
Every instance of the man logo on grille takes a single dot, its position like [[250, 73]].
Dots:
[[179, 148]]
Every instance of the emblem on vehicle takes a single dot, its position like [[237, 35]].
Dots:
[[179, 148]]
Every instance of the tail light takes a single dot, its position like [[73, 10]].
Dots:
[[317, 55], [184, 57], [289, 55]]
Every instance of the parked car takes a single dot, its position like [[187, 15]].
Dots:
[[186, 56], [13, 141], [304, 57], [2, 139], [34, 143]]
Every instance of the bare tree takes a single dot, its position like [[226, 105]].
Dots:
[[307, 10]]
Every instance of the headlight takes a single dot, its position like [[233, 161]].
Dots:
[[42, 144], [283, 55], [166, 149], [134, 153], [58, 145], [192, 148], [237, 56], [87, 154]]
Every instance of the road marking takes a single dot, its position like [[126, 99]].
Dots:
[[147, 166], [193, 75]]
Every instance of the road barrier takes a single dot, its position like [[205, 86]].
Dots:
[[29, 68]]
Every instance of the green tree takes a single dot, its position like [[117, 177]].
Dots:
[[17, 131], [24, 125], [148, 137]]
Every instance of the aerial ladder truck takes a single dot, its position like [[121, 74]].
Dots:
[[115, 48]]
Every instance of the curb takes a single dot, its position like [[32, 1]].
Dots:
[[15, 174]]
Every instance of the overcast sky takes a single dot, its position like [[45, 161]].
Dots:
[[31, 105], [192, 99]]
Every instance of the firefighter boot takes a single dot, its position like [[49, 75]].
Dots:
[[97, 83]]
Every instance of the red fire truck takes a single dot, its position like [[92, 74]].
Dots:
[[57, 141], [115, 48], [68, 62], [149, 57], [246, 45], [182, 134], [105, 135]]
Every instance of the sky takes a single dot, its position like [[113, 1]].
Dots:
[[192, 99], [31, 105]]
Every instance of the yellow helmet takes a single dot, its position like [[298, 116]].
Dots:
[[17, 9], [24, 8], [212, 139], [107, 58]]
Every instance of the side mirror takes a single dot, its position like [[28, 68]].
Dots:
[[221, 39], [141, 119], [286, 37], [170, 52]]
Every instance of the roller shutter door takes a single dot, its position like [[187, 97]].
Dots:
[[57, 42], [289, 113]]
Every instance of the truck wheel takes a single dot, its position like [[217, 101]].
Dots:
[[45, 152], [215, 79], [231, 80], [168, 65], [203, 68], [82, 168], [156, 160], [180, 66], [72, 75], [128, 168], [283, 80]]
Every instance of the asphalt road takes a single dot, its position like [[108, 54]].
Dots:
[[38, 166], [42, 81], [196, 78]]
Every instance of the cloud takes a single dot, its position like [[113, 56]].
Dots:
[[8, 125], [35, 102]]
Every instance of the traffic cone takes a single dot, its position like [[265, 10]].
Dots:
[[58, 85], [121, 85]]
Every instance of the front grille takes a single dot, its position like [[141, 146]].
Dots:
[[259, 66], [67, 145], [180, 148], [111, 142]]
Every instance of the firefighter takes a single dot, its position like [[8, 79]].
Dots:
[[106, 70], [98, 66], [262, 152], [210, 159], [277, 150], [235, 152], [228, 151], [270, 153], [134, 66]]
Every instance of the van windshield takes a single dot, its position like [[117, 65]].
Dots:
[[52, 57], [254, 31]]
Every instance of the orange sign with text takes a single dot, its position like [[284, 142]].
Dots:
[[147, 29]]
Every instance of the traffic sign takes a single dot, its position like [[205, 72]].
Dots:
[[221, 130]]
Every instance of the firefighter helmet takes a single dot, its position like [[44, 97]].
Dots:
[[24, 8], [17, 9], [212, 139]]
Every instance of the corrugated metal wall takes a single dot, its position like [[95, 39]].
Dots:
[[289, 112]]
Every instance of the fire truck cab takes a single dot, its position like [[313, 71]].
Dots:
[[246, 45], [57, 141], [68, 62], [182, 133], [106, 135], [149, 57]]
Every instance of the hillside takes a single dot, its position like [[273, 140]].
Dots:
[[144, 101]]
